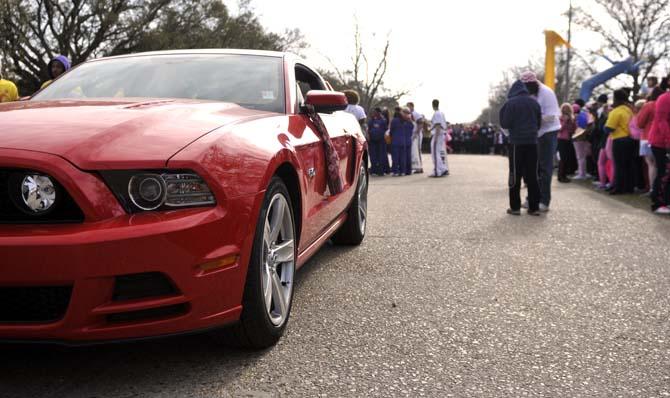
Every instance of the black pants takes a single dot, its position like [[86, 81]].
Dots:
[[660, 193], [623, 150], [523, 163], [638, 167], [564, 147]]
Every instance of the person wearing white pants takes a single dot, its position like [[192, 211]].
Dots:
[[417, 136], [438, 150]]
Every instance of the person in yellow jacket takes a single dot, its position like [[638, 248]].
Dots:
[[8, 90]]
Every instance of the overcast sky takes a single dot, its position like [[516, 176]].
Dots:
[[451, 50]]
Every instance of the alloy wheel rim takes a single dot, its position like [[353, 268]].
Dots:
[[278, 260], [362, 200]]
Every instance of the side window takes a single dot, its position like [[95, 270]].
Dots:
[[307, 80]]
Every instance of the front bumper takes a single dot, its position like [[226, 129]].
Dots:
[[90, 256]]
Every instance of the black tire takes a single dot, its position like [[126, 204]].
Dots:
[[352, 232], [255, 330]]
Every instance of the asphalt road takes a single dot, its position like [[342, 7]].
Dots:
[[447, 296]]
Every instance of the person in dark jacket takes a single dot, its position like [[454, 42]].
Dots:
[[401, 143], [376, 129], [522, 116]]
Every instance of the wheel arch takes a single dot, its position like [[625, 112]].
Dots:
[[289, 176]]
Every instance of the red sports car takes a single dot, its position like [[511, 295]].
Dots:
[[160, 193]]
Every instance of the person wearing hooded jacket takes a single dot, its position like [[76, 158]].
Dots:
[[522, 117], [547, 134], [56, 67]]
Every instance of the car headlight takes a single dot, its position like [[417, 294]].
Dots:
[[149, 190]]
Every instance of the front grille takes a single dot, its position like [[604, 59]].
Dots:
[[34, 304], [65, 209]]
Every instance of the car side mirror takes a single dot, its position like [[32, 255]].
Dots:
[[326, 101]]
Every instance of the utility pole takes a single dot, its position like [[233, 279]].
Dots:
[[566, 95]]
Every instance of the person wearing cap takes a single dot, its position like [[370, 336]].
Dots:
[[8, 90], [377, 126], [521, 115], [417, 137], [401, 141], [56, 67], [547, 134], [438, 130]]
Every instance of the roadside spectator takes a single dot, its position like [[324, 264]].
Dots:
[[659, 139], [644, 121], [599, 136], [581, 142], [623, 148], [417, 138], [387, 139], [56, 67], [548, 134], [522, 117], [356, 110], [8, 90], [377, 146], [568, 127], [652, 83], [401, 141], [438, 143], [639, 184]]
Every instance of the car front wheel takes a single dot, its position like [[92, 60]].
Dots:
[[268, 292]]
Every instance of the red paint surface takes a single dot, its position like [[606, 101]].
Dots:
[[235, 150]]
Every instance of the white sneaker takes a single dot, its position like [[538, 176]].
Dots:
[[662, 210], [544, 208], [524, 204], [577, 178]]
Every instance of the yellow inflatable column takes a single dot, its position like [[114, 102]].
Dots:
[[552, 40]]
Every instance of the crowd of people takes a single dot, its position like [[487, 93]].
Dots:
[[401, 133], [481, 139], [622, 145], [56, 67]]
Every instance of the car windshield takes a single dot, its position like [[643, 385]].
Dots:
[[250, 81]]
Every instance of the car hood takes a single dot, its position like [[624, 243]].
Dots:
[[103, 134]]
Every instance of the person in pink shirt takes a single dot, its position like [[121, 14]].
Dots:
[[659, 139], [644, 120]]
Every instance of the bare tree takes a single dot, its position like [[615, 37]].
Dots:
[[366, 77], [632, 28], [32, 32]]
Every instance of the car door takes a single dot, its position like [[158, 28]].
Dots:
[[322, 207]]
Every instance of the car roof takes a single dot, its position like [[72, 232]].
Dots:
[[206, 51]]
